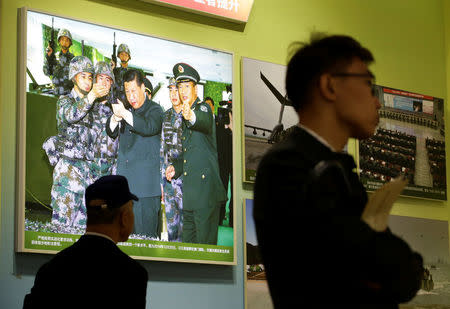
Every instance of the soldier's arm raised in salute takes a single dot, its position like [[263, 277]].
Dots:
[[72, 110], [200, 118]]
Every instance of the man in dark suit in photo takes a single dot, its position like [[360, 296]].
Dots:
[[139, 133], [94, 272], [310, 207]]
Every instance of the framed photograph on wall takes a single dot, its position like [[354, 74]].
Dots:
[[409, 140], [257, 293], [50, 202], [268, 115]]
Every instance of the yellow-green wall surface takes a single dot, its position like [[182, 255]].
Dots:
[[407, 38]]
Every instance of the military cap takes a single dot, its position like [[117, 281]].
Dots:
[[148, 85], [184, 72], [64, 32], [80, 64], [172, 82], [113, 189], [103, 67], [123, 48]]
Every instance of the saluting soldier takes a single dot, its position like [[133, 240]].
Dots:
[[56, 65], [171, 151], [123, 52], [203, 191], [104, 148], [69, 152]]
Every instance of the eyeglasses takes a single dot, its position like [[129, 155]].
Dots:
[[373, 87]]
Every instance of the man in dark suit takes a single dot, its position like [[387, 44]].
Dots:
[[203, 191], [138, 156], [344, 254], [94, 272]]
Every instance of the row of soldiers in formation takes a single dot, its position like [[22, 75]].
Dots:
[[406, 116], [387, 154], [385, 145], [167, 156], [371, 168], [436, 158], [383, 154], [395, 140]]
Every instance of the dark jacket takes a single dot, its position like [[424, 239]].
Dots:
[[340, 258], [202, 186], [138, 156], [92, 273]]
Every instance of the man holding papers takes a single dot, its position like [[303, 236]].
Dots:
[[346, 254]]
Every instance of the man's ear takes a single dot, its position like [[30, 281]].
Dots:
[[327, 87], [125, 216]]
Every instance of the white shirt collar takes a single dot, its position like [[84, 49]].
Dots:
[[98, 234], [316, 136]]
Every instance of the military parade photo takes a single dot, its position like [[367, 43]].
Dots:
[[103, 101], [409, 141]]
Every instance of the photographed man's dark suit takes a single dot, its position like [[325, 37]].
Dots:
[[138, 161], [313, 243], [92, 273], [203, 190]]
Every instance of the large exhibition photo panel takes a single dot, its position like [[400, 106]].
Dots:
[[409, 140], [66, 141]]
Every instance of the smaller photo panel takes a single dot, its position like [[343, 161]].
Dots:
[[409, 141]]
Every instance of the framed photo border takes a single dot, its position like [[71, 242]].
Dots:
[[21, 136]]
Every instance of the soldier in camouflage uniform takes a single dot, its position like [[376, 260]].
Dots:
[[57, 66], [123, 52], [104, 148], [171, 149], [71, 150]]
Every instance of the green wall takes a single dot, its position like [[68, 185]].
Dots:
[[407, 38]]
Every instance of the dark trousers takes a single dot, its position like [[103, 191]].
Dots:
[[201, 226], [146, 214]]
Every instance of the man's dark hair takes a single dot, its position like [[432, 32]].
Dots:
[[98, 215], [133, 74], [323, 54]]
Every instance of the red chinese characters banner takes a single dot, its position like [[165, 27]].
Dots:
[[233, 10]]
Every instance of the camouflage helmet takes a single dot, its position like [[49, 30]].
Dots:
[[123, 48], [80, 64], [103, 67], [172, 82], [66, 33]]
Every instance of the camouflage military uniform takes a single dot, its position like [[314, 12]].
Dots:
[[59, 66], [70, 152], [171, 148], [103, 148]]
